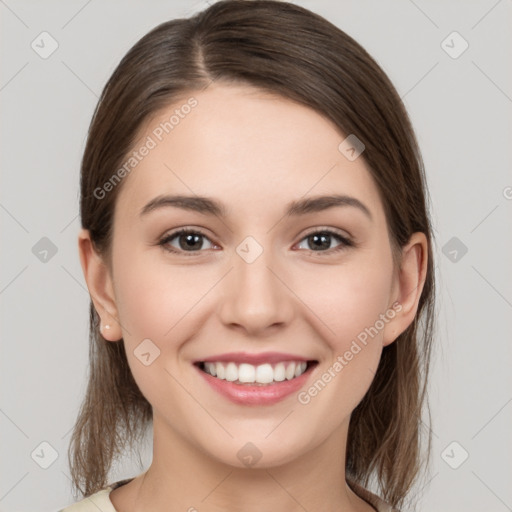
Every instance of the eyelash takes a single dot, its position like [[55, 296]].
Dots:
[[344, 241]]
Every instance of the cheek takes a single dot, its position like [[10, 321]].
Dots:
[[153, 298], [160, 303], [156, 302], [346, 304], [346, 299]]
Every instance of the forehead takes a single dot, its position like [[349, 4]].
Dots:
[[248, 148]]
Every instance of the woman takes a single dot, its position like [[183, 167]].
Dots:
[[257, 247]]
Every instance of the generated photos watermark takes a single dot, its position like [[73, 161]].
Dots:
[[305, 397], [151, 142]]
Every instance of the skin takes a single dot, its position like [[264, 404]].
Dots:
[[254, 152]]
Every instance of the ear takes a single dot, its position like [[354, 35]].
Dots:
[[99, 283], [407, 286]]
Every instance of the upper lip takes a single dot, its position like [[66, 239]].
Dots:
[[254, 359]]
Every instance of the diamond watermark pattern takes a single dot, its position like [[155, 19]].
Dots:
[[146, 352], [44, 250], [454, 249], [249, 454], [454, 45], [454, 455], [44, 455], [249, 249], [351, 148], [44, 45]]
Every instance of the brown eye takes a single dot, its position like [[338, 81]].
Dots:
[[185, 240], [322, 241]]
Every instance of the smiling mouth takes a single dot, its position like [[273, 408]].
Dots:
[[256, 375]]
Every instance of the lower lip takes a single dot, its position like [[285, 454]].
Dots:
[[246, 394]]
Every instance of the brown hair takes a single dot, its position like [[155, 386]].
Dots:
[[288, 50]]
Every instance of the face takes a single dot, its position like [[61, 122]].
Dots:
[[255, 272]]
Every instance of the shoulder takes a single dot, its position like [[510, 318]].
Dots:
[[101, 500], [93, 503], [97, 501]]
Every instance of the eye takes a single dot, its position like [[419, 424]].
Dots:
[[321, 241], [192, 241], [185, 240]]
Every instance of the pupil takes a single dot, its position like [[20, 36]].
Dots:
[[191, 239], [320, 240]]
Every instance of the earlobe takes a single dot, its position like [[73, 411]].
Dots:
[[99, 283], [409, 284]]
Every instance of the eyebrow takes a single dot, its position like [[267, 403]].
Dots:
[[209, 206]]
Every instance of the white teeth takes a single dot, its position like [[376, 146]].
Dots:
[[264, 374], [231, 372], [220, 370], [290, 371], [211, 368], [246, 372], [299, 369], [261, 374], [279, 373]]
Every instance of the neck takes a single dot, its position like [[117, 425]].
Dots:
[[183, 478]]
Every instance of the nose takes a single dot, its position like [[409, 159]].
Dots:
[[255, 297]]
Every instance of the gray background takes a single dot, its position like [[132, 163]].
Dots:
[[460, 108]]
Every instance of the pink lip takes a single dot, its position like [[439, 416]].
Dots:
[[255, 359], [246, 394]]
